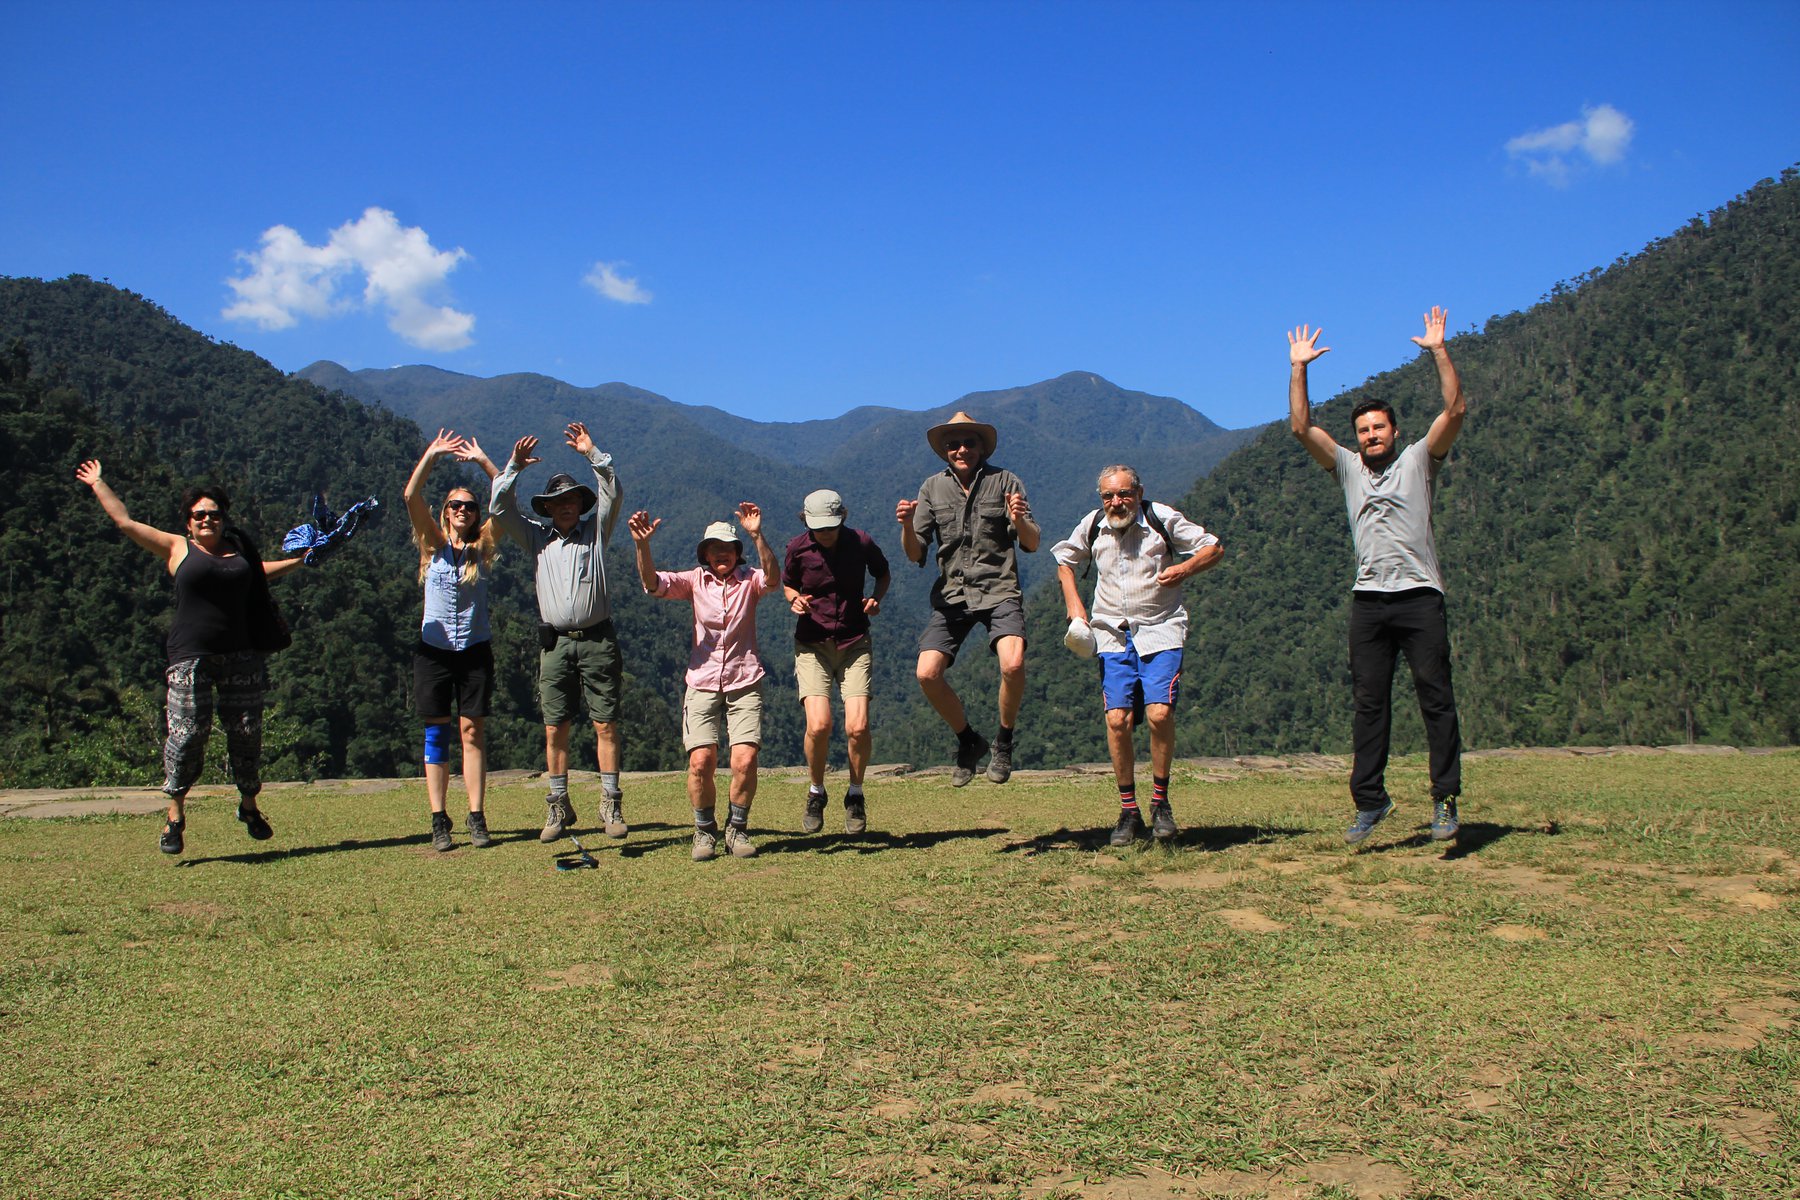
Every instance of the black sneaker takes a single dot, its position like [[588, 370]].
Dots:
[[1443, 819], [478, 830], [170, 842], [812, 819], [1129, 829], [856, 817], [1162, 822], [440, 832], [1000, 766], [255, 823], [968, 757]]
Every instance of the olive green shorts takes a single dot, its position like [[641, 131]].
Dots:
[[581, 673], [738, 714], [818, 665]]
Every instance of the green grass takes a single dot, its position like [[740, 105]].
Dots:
[[1592, 997]]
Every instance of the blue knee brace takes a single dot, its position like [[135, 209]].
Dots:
[[437, 743]]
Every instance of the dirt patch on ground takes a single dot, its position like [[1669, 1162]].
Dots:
[[1200, 880], [1248, 920], [1744, 1023], [1011, 1092], [583, 974], [1517, 933], [193, 910], [1362, 1177]]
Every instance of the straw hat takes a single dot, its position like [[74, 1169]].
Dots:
[[962, 422]]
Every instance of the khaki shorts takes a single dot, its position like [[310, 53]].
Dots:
[[739, 712], [818, 665]]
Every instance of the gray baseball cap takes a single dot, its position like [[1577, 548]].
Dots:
[[824, 509]]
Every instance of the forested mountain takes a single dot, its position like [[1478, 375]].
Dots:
[[1616, 523]]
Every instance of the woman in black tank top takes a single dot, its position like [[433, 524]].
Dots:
[[212, 665]]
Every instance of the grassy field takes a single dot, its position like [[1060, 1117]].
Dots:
[[1593, 994]]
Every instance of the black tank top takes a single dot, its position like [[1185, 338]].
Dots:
[[211, 594]]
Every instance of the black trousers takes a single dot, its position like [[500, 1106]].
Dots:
[[1382, 626]]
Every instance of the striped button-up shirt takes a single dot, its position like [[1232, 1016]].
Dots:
[[1127, 598], [723, 657]]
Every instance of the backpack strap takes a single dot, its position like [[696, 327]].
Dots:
[[1150, 518]]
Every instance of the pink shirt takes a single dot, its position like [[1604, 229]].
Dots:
[[724, 655]]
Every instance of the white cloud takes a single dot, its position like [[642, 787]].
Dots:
[[605, 279], [1602, 136], [288, 279]]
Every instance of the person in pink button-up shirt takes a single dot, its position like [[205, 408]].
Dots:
[[724, 675]]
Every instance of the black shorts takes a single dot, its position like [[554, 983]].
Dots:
[[947, 628], [448, 683]]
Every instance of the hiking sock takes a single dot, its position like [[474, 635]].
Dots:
[[609, 782], [1159, 789], [816, 789], [703, 818], [854, 792], [1128, 796], [559, 784], [1004, 737], [968, 736], [740, 816]]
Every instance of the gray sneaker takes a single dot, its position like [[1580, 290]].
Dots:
[[738, 842], [1129, 829], [1000, 766], [478, 830], [1162, 822], [812, 817], [612, 811], [967, 759], [559, 817], [706, 839], [1366, 821], [856, 816], [1443, 819], [440, 832]]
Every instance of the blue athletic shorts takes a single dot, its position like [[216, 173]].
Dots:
[[1127, 680]]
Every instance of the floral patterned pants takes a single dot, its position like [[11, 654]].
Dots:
[[239, 680]]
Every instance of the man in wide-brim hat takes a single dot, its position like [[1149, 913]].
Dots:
[[977, 513], [578, 663]]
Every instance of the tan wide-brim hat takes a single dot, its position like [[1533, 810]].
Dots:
[[962, 422], [723, 532]]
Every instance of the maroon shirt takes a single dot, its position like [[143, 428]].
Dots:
[[834, 579]]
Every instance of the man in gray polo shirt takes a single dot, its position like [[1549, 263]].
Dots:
[[977, 513], [579, 665], [1398, 602]]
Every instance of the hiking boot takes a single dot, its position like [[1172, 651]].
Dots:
[[812, 818], [440, 832], [255, 823], [706, 838], [1000, 766], [170, 842], [1443, 819], [968, 757], [1162, 822], [478, 831], [738, 842], [1129, 829], [1366, 821], [856, 817], [559, 817], [612, 811]]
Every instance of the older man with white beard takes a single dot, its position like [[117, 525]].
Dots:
[[1142, 554]]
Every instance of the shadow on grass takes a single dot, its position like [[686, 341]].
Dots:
[[1204, 837], [1472, 838], [873, 842], [347, 845]]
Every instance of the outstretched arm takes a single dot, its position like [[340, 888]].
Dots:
[[502, 506], [281, 566], [1303, 347], [1448, 424], [642, 527], [163, 545], [417, 510], [472, 452], [751, 521]]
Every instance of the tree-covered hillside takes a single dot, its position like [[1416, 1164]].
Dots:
[[1617, 523]]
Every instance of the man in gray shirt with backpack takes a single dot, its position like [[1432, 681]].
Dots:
[[1398, 602]]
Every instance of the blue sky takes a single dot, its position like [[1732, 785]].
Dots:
[[790, 209]]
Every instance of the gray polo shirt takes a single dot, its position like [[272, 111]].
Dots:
[[571, 571], [1390, 519], [977, 566]]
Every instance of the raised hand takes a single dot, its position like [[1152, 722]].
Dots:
[[469, 450], [88, 472], [1017, 509], [749, 517], [446, 442], [642, 526], [903, 511], [522, 455], [576, 435], [1435, 321], [1303, 345]]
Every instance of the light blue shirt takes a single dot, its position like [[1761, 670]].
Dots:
[[456, 614]]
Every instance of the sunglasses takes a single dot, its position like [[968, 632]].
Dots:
[[967, 443], [470, 504], [1127, 494], [206, 514]]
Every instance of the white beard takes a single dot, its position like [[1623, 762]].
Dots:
[[1121, 522]]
